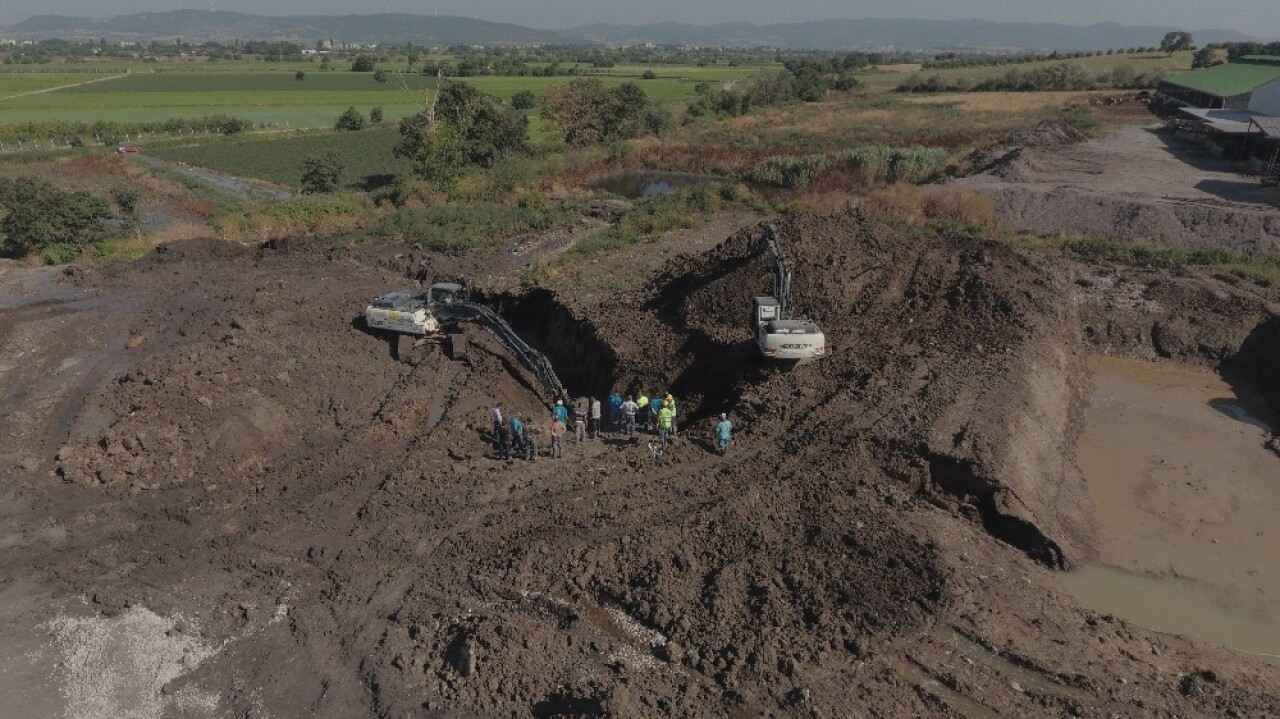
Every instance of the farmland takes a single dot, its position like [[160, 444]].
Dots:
[[365, 154], [276, 96]]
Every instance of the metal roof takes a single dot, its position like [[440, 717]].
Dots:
[[1270, 126], [1230, 80], [1230, 121]]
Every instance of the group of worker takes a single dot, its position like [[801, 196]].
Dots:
[[518, 435]]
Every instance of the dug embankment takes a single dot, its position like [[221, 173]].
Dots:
[[1140, 184], [259, 508]]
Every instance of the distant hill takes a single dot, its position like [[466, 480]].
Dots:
[[200, 25], [932, 35], [431, 30]]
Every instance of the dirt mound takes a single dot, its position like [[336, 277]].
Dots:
[[325, 513], [1049, 133]]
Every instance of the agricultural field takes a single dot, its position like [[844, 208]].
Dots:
[[275, 97], [365, 154]]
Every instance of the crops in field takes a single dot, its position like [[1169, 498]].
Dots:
[[366, 155]]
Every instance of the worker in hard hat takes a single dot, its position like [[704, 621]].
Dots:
[[670, 401], [665, 417], [643, 403], [561, 412], [724, 433]]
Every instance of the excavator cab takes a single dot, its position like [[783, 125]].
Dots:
[[446, 293]]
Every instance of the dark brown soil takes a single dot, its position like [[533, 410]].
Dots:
[[326, 509]]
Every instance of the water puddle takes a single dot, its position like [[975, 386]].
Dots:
[[645, 184], [1188, 505], [1175, 606], [1029, 679], [959, 703]]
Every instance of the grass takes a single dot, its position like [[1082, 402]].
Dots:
[[275, 158], [458, 227], [1261, 269]]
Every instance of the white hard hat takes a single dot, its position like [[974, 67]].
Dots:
[[559, 403], [724, 416]]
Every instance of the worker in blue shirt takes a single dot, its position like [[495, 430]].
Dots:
[[560, 411], [615, 410], [724, 433], [655, 406]]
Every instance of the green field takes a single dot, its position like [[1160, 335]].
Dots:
[[272, 96], [275, 158]]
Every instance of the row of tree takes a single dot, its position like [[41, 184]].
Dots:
[[1061, 76]]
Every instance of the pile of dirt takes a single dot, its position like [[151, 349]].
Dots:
[[1137, 185], [326, 514]]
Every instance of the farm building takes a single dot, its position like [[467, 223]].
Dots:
[[1226, 87]]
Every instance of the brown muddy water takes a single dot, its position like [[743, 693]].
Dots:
[[1188, 506]]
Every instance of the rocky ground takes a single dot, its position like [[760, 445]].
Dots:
[[222, 497]]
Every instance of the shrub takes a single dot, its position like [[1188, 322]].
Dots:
[[39, 216], [321, 174], [523, 100], [350, 121]]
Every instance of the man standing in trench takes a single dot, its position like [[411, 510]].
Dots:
[[665, 417], [558, 429], [595, 417], [629, 409]]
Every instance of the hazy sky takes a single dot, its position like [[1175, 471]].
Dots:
[[1257, 17]]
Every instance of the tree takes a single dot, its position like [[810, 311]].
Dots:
[[590, 113], [380, 75], [300, 75], [350, 121], [375, 116], [322, 174], [523, 100], [1208, 56], [37, 215], [438, 153], [363, 63], [649, 75], [1175, 41]]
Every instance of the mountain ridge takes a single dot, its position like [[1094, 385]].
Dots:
[[874, 34]]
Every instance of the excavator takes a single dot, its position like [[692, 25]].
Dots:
[[780, 336], [445, 305]]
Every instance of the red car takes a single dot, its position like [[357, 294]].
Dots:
[[127, 150]]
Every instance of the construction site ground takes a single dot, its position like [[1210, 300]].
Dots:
[[222, 497], [1139, 182]]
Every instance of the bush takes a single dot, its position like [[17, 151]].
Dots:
[[375, 116], [350, 121], [649, 75], [482, 225], [523, 100], [321, 174], [38, 216]]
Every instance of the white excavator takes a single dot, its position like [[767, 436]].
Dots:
[[445, 305], [412, 313], [780, 336]]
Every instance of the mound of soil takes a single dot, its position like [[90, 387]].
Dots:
[[322, 509]]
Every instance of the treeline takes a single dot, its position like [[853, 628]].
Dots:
[[951, 60], [76, 133], [1219, 53], [1062, 76], [804, 79], [47, 51]]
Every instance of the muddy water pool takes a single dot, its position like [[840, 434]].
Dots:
[[1187, 501]]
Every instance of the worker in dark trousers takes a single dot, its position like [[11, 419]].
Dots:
[[596, 411]]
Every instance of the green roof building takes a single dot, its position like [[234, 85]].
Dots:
[[1228, 86]]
